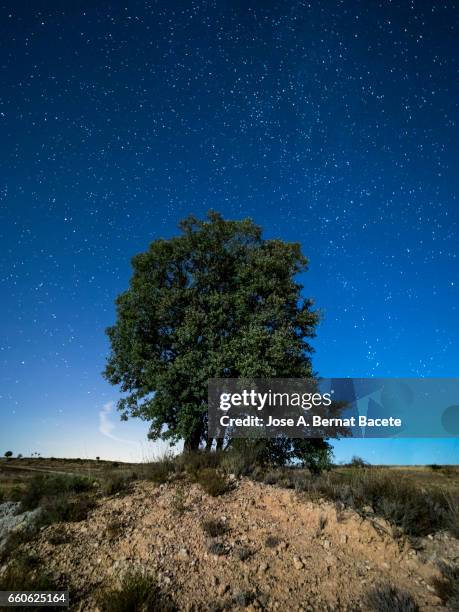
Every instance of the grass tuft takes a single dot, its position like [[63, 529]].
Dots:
[[138, 592], [213, 482], [388, 598], [214, 528]]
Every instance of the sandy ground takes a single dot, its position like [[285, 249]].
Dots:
[[325, 558]]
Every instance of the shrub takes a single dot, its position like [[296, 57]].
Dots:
[[272, 541], [447, 586], [15, 539], [193, 462], [178, 502], [397, 500], [138, 592], [24, 574], [214, 528], [217, 548], [114, 528], [160, 471], [358, 462], [65, 508], [272, 477], [116, 483], [212, 482], [243, 553], [59, 536], [41, 486], [388, 598]]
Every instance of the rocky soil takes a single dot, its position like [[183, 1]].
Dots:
[[10, 520], [280, 552]]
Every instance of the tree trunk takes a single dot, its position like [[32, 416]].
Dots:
[[191, 443], [219, 444]]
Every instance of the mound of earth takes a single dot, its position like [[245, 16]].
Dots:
[[278, 552]]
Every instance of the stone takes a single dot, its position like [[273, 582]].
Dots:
[[297, 563]]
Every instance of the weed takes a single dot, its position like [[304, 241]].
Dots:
[[322, 523], [66, 508], [41, 486], [213, 482], [194, 462], [178, 501], [447, 586], [214, 528], [160, 471], [217, 548], [243, 553], [59, 536], [116, 483], [388, 598], [114, 529], [272, 541], [138, 592]]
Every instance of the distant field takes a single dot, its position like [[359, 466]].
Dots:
[[439, 477], [15, 472]]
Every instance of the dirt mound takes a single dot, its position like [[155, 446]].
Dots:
[[273, 550]]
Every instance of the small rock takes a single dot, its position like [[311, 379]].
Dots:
[[343, 538], [183, 554], [326, 544], [297, 563], [222, 589], [263, 567]]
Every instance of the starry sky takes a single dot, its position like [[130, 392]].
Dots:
[[329, 123]]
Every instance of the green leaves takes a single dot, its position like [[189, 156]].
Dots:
[[218, 300]]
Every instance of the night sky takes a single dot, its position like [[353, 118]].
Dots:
[[329, 123]]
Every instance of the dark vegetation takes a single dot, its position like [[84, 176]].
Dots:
[[447, 586], [214, 528], [388, 598], [138, 592], [25, 573], [217, 289]]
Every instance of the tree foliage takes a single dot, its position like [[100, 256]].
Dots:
[[216, 301]]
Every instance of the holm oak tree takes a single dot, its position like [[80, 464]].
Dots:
[[218, 300]]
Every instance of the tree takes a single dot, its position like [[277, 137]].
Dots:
[[218, 300], [8, 454]]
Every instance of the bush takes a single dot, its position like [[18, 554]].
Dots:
[[138, 592], [59, 536], [116, 483], [160, 471], [388, 598], [214, 528], [193, 462], [15, 539], [65, 508], [358, 462], [212, 482], [243, 553], [447, 587], [179, 502], [217, 548], [397, 500], [272, 541], [24, 574], [41, 486]]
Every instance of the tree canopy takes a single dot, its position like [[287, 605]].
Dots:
[[218, 300]]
